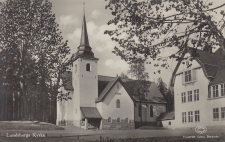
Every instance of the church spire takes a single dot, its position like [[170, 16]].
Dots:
[[84, 50], [84, 35]]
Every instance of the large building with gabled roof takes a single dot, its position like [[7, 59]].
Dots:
[[97, 102], [199, 91]]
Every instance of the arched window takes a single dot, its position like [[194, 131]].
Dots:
[[118, 119], [169, 123], [151, 111], [117, 103], [109, 119], [139, 110], [88, 67]]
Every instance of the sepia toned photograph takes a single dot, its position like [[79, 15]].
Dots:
[[112, 71]]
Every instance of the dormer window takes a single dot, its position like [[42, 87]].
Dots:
[[88, 67], [189, 76]]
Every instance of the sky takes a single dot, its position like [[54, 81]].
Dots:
[[69, 15]]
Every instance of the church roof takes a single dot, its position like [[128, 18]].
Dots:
[[167, 116], [106, 83], [153, 94], [90, 112]]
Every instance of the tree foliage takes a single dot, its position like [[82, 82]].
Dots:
[[145, 28], [141, 83], [32, 54], [167, 94]]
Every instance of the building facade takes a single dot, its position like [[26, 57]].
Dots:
[[199, 93]]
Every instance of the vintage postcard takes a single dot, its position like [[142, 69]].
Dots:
[[112, 70]]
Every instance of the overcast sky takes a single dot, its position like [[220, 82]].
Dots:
[[69, 14]]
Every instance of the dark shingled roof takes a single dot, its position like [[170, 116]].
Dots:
[[153, 94], [166, 116], [106, 83], [213, 65], [90, 112], [67, 80]]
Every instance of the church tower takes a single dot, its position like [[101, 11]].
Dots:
[[85, 76]]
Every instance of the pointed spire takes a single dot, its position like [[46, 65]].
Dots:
[[84, 50], [84, 35]]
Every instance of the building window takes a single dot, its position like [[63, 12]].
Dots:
[[118, 119], [117, 103], [151, 111], [184, 117], [183, 97], [88, 67], [190, 116], [169, 123], [215, 91], [187, 76], [127, 120], [197, 116], [215, 114], [118, 87], [75, 68], [139, 110], [196, 95], [189, 96], [222, 113], [109, 119], [222, 89]]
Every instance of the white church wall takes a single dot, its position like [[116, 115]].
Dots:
[[69, 109], [76, 97], [109, 108], [88, 83]]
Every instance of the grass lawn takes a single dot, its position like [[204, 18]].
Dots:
[[28, 125]]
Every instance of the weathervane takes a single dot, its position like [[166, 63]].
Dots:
[[84, 7]]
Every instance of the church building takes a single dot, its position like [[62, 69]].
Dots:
[[97, 102]]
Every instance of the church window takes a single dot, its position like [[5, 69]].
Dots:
[[169, 123], [75, 68], [151, 111], [109, 119], [88, 67], [118, 86], [118, 119], [117, 103]]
